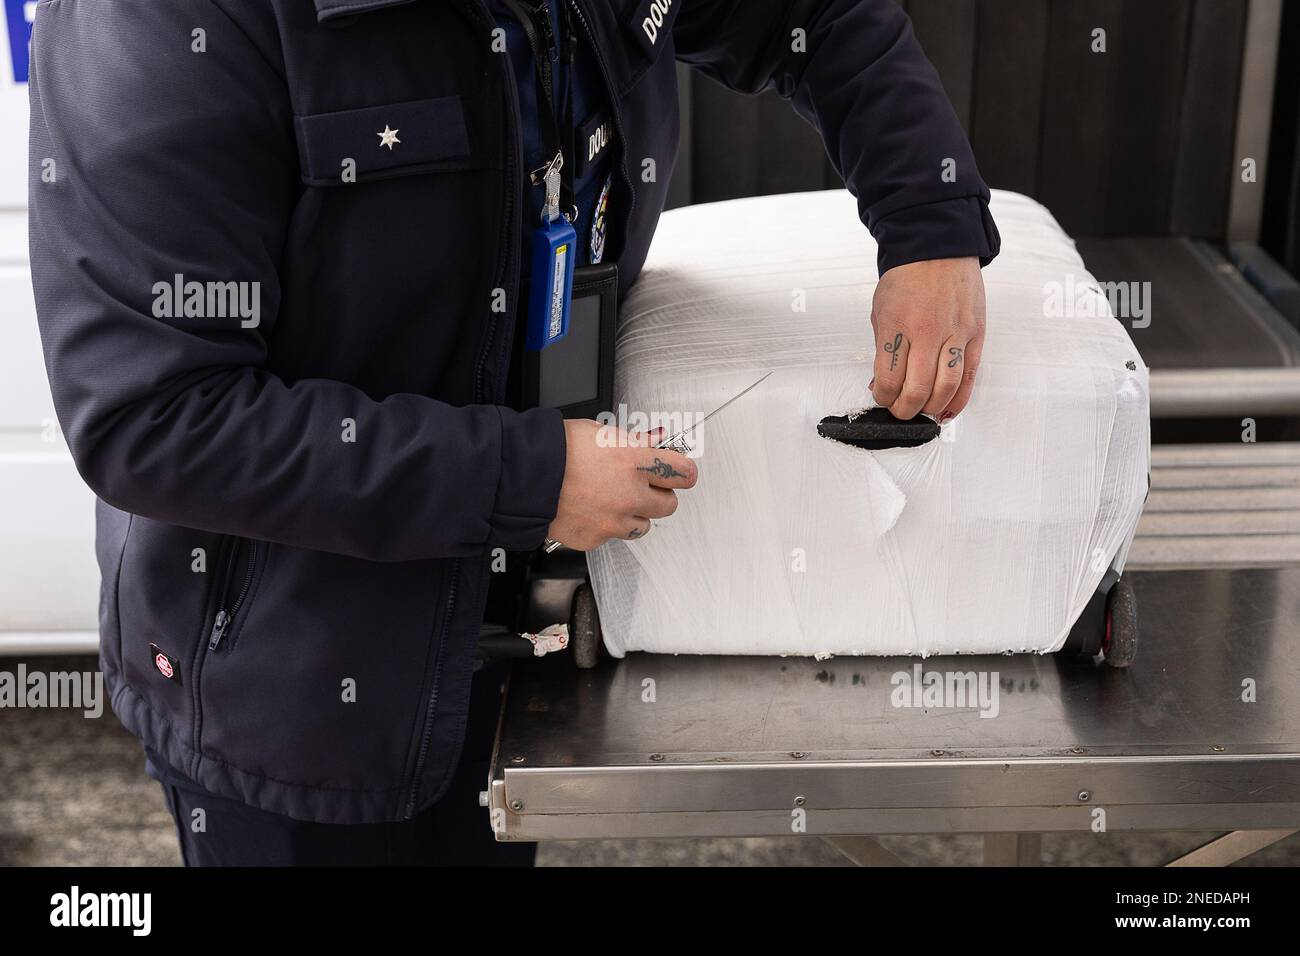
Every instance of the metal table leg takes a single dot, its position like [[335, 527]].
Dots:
[[1231, 847]]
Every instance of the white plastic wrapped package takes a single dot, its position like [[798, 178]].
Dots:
[[991, 538]]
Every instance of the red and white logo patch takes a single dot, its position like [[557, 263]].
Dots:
[[166, 665]]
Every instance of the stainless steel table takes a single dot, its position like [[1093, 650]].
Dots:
[[1202, 733]]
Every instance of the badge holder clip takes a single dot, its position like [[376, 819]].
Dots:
[[554, 245]]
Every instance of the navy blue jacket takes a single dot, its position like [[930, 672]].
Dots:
[[278, 340]]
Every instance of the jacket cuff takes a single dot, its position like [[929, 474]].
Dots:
[[532, 470], [949, 229]]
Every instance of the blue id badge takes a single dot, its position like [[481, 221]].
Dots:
[[551, 284], [551, 279]]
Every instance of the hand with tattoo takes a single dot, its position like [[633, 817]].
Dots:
[[661, 468], [928, 319], [614, 483]]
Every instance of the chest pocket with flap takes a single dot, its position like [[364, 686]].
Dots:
[[393, 139]]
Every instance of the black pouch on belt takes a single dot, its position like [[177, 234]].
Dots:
[[576, 374]]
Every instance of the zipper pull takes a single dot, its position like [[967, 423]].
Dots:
[[570, 35], [542, 18], [218, 629]]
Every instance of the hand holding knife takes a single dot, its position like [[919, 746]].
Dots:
[[677, 441]]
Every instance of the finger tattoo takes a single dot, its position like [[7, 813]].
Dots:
[[892, 348], [661, 469], [956, 357]]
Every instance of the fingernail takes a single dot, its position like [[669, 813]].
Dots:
[[946, 417], [871, 384]]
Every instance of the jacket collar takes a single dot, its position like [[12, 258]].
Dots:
[[331, 9]]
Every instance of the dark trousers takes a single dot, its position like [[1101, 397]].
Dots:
[[455, 831]]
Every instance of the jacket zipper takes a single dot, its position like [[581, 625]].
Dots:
[[433, 693], [507, 277], [613, 108], [229, 607]]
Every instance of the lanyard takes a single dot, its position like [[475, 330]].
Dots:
[[557, 174]]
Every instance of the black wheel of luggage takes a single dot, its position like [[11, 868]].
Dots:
[[1120, 644], [584, 628]]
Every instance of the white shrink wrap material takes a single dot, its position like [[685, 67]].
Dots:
[[991, 538]]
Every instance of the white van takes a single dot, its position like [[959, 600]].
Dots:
[[49, 582]]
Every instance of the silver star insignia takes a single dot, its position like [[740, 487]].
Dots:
[[388, 137]]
